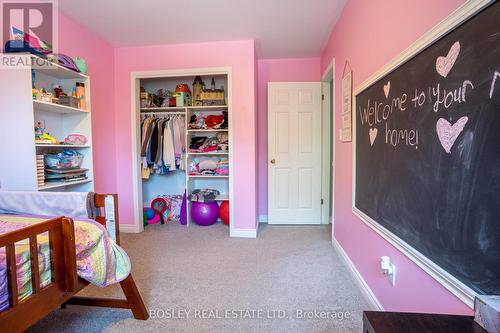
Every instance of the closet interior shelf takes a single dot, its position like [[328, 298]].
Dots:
[[207, 108], [209, 153], [222, 197], [165, 109], [208, 130], [208, 176]]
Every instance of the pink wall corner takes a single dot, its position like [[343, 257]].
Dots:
[[369, 34], [256, 166], [236, 54], [74, 40], [276, 70]]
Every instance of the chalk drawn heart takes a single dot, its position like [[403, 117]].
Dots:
[[448, 133], [387, 88], [444, 64], [373, 135]]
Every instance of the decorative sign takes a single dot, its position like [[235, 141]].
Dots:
[[427, 153], [346, 129]]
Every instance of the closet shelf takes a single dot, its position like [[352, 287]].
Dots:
[[164, 109], [208, 176], [56, 108], [60, 146], [208, 130], [55, 70], [221, 197], [49, 186], [208, 153], [207, 108]]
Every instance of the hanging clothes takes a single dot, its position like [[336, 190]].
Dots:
[[163, 145], [168, 146]]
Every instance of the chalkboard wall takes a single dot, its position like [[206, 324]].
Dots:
[[428, 152]]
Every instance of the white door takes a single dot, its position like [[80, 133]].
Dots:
[[294, 165]]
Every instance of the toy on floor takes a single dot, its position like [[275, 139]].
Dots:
[[224, 212], [151, 216], [159, 206], [174, 205], [183, 217], [204, 213]]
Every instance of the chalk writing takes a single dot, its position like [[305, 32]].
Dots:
[[445, 64], [447, 98], [448, 133], [373, 135], [387, 88], [395, 137], [378, 112], [419, 98], [495, 76]]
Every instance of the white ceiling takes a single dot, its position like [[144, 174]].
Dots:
[[281, 28]]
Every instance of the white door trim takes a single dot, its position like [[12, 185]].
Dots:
[[136, 133], [325, 152], [329, 74]]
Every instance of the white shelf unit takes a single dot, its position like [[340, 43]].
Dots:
[[21, 113], [47, 145], [152, 187]]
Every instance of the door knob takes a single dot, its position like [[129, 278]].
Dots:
[[273, 161]]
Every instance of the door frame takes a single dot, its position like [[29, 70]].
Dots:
[[135, 78], [328, 114]]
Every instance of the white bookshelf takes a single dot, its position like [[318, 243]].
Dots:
[[56, 108], [19, 115], [59, 185]]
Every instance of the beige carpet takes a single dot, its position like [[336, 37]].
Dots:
[[200, 273]]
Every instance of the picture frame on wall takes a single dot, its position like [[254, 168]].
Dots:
[[346, 123]]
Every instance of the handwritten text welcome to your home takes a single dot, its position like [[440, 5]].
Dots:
[[378, 112]]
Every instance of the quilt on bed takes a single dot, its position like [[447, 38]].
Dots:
[[99, 259]]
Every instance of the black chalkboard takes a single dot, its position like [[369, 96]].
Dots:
[[428, 152]]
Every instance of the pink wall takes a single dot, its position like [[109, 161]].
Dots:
[[269, 70], [369, 34], [237, 54], [74, 40]]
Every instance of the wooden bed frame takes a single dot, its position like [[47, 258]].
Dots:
[[65, 281]]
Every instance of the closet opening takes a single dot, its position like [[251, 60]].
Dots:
[[182, 147]]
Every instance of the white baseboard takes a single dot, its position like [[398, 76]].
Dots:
[[262, 218], [244, 233], [367, 292], [129, 228]]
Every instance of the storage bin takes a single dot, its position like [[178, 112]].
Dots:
[[67, 101], [68, 159]]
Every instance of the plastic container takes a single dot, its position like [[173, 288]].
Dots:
[[68, 159]]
